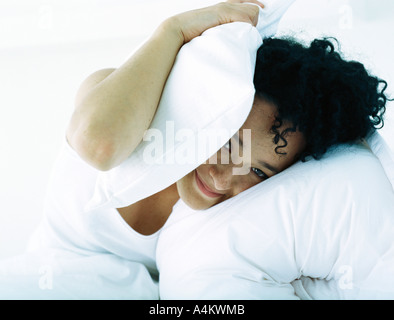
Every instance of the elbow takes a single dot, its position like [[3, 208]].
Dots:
[[99, 152], [100, 155]]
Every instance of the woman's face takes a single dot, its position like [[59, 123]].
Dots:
[[248, 159]]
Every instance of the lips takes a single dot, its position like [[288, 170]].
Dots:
[[205, 189]]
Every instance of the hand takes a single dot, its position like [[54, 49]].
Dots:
[[193, 23], [245, 1]]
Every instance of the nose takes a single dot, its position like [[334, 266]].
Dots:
[[222, 176]]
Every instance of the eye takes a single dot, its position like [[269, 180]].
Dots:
[[259, 173]]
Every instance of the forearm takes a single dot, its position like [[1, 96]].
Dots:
[[116, 106], [110, 120]]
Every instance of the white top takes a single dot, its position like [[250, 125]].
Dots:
[[99, 239], [68, 226]]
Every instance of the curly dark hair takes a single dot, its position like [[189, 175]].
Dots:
[[328, 99]]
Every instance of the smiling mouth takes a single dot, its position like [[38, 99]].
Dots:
[[204, 189]]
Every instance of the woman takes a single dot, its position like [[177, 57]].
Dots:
[[307, 99], [115, 107]]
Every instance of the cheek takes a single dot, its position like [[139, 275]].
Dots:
[[244, 182], [184, 185]]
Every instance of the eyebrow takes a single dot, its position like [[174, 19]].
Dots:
[[261, 162]]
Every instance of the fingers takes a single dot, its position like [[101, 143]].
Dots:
[[237, 11], [192, 23]]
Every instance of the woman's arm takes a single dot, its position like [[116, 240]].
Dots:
[[114, 107]]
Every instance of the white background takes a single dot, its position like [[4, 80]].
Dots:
[[48, 47]]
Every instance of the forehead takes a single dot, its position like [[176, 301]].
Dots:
[[262, 116], [260, 122]]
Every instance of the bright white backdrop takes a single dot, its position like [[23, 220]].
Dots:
[[48, 47]]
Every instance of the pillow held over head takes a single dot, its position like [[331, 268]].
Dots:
[[207, 97]]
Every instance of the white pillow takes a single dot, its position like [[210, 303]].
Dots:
[[206, 99], [331, 219], [380, 148]]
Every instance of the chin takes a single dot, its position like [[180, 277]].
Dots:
[[194, 205], [192, 201]]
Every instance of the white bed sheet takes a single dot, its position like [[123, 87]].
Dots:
[[63, 275]]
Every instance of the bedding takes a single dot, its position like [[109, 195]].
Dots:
[[381, 149], [58, 274], [320, 229]]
